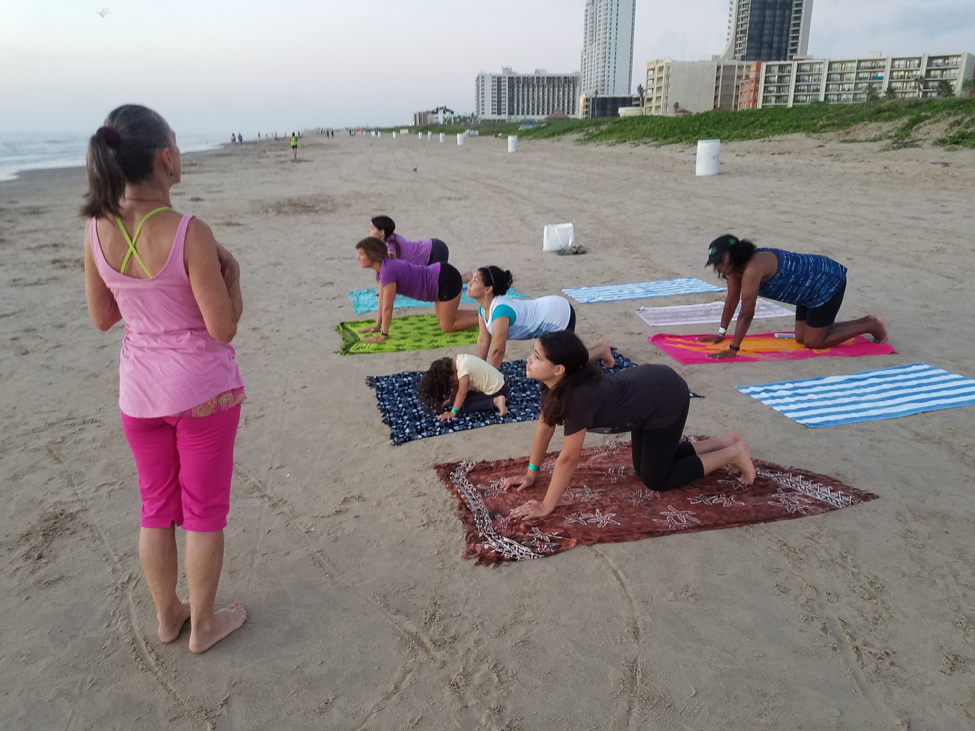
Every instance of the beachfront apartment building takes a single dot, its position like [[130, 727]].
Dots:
[[692, 86], [607, 47], [768, 30], [512, 97], [855, 80]]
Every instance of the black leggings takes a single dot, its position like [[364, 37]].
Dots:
[[450, 283], [661, 460], [477, 401], [438, 252]]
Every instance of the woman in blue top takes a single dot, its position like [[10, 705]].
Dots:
[[814, 284], [503, 318]]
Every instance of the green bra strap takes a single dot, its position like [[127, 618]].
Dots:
[[131, 242]]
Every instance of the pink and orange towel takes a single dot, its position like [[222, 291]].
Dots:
[[763, 347]]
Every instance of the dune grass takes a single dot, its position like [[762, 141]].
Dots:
[[904, 117]]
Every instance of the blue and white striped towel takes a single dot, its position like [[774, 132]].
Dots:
[[640, 290], [885, 393]]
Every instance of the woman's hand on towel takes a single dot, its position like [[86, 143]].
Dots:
[[532, 510], [446, 415], [519, 483]]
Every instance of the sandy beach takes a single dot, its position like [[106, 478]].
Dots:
[[347, 550]]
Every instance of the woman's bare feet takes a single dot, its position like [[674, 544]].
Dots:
[[603, 353], [170, 627], [499, 404], [743, 461], [879, 331], [221, 624]]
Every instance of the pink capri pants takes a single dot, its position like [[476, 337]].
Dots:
[[185, 465]]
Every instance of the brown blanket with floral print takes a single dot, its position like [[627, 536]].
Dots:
[[607, 503]]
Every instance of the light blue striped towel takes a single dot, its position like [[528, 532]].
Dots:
[[640, 290], [365, 300], [866, 396]]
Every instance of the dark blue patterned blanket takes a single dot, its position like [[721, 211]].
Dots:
[[408, 420]]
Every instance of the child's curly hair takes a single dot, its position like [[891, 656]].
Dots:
[[434, 387]]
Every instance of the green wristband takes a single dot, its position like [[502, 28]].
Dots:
[[456, 411], [533, 468]]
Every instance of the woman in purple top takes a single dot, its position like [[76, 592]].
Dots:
[[423, 252], [439, 283]]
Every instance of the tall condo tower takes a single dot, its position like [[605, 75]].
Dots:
[[607, 47], [768, 30]]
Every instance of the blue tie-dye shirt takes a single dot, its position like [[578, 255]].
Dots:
[[803, 279]]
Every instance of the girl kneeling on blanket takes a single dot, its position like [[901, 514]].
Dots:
[[450, 381], [650, 401]]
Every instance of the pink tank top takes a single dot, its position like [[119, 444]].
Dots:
[[169, 362]]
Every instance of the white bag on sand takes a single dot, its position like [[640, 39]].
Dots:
[[558, 236]]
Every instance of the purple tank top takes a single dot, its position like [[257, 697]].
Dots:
[[414, 252]]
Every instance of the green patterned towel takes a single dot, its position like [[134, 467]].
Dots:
[[413, 332]]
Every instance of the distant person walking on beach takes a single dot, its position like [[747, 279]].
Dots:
[[180, 391], [294, 145], [439, 283], [814, 284]]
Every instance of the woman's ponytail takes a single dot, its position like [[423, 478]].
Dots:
[[120, 152]]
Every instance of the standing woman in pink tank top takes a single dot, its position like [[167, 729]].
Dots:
[[178, 292]]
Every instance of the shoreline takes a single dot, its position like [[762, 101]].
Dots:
[[19, 173]]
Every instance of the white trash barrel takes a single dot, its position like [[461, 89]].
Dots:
[[394, 135], [429, 136], [443, 136], [512, 143], [460, 139], [708, 152]]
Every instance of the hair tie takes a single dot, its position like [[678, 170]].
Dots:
[[111, 136], [490, 274]]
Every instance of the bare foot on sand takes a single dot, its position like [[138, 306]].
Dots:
[[879, 330], [221, 624], [744, 463], [499, 404], [603, 353], [169, 627], [466, 277]]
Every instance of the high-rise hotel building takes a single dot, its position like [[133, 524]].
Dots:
[[607, 47], [768, 30], [512, 97]]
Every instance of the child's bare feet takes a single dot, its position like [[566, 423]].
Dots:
[[169, 627], [499, 404], [603, 353], [743, 461], [221, 624]]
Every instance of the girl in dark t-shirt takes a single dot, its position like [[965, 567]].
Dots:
[[650, 402]]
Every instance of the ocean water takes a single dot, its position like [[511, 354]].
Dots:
[[19, 152]]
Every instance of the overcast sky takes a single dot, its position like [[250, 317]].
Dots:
[[252, 66]]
